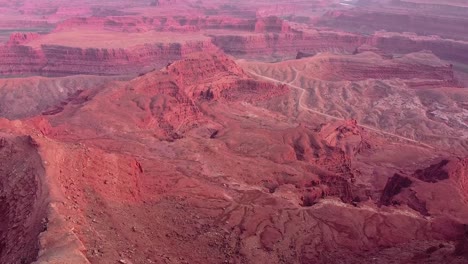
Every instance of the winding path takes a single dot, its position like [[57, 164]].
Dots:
[[305, 107]]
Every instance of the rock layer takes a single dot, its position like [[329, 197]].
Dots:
[[54, 60]]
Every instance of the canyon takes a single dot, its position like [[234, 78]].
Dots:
[[183, 131]]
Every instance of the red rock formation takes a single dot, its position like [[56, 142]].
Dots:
[[272, 24], [346, 136], [434, 173], [393, 187], [428, 67], [218, 77], [121, 155], [21, 38], [455, 170], [367, 48], [23, 195], [303, 161], [172, 24], [405, 43], [286, 45], [54, 60], [165, 101]]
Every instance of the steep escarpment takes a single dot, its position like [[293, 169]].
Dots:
[[61, 52], [59, 60], [20, 59], [455, 170], [286, 45], [264, 38], [23, 199], [289, 44], [176, 23], [454, 50], [134, 59]]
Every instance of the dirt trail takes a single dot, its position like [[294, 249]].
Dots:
[[304, 106]]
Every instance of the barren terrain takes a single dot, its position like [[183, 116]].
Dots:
[[183, 131]]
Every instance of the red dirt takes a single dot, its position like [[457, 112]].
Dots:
[[116, 191], [208, 146]]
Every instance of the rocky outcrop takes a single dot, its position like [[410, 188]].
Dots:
[[455, 170], [421, 193], [301, 55], [23, 204], [23, 25], [346, 136], [215, 76], [168, 101], [393, 187], [434, 173], [21, 38], [332, 148]]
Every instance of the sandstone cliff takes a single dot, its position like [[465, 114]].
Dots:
[[56, 60]]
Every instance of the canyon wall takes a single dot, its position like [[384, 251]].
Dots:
[[22, 199], [397, 21], [55, 60], [406, 43], [17, 58], [289, 44], [176, 24]]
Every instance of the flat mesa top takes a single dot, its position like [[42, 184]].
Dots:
[[111, 39]]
